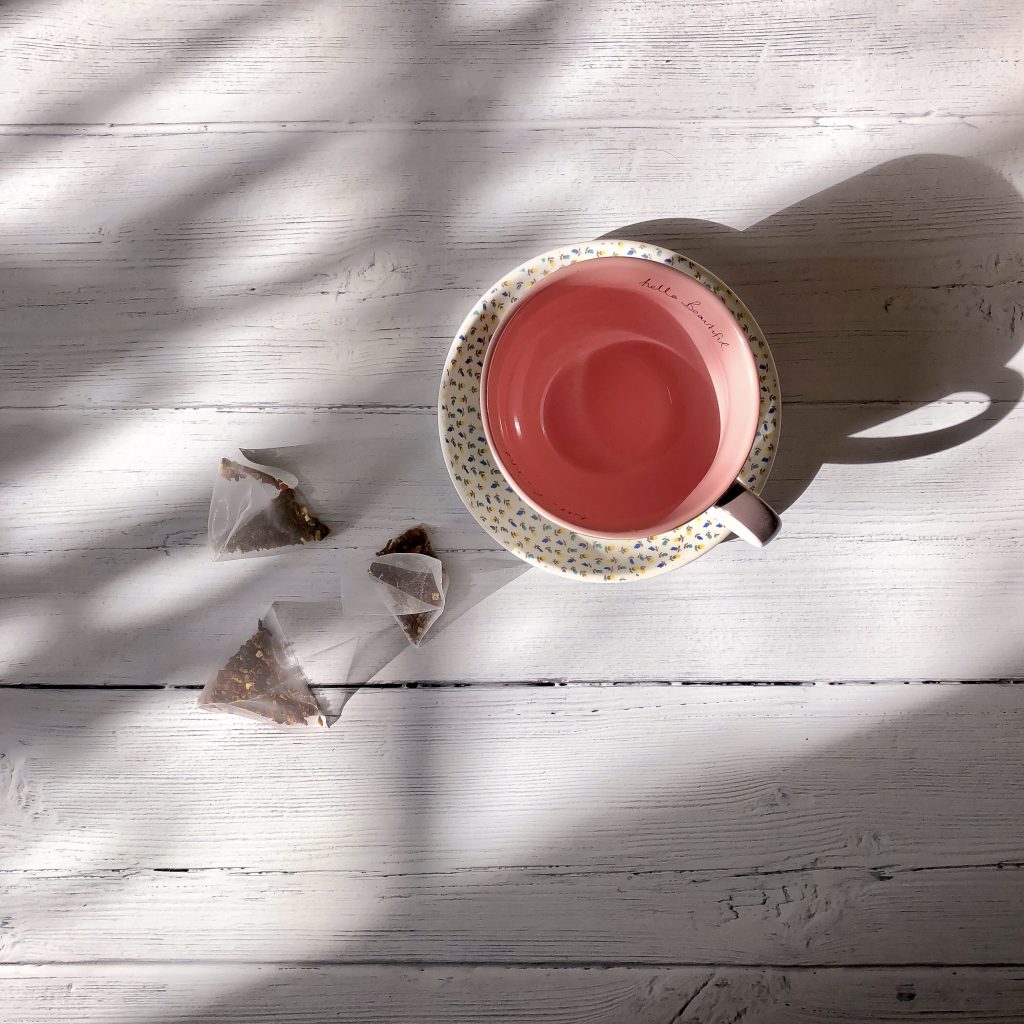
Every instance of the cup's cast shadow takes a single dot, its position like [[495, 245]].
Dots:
[[898, 288]]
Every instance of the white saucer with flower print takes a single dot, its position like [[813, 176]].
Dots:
[[502, 513]]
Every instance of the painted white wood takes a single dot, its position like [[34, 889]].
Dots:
[[810, 609], [354, 995], [497, 779], [798, 917], [115, 482], [813, 608], [414, 60], [333, 267], [239, 224], [908, 569], [801, 826]]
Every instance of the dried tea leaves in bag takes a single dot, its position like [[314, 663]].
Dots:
[[412, 587], [262, 680], [286, 519], [254, 512], [413, 581], [413, 542]]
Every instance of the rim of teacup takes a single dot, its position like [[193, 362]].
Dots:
[[521, 530], [734, 467]]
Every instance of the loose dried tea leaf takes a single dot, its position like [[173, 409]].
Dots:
[[259, 676], [424, 586], [231, 470], [413, 542], [286, 521]]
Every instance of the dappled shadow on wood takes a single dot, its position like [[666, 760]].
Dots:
[[864, 291], [698, 829], [388, 994], [816, 270], [163, 294], [143, 292]]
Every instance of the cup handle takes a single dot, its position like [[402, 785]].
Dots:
[[750, 518]]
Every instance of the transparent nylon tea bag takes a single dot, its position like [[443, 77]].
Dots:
[[411, 582], [264, 680], [255, 512]]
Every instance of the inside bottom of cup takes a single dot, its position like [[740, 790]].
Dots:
[[622, 414], [625, 435], [607, 404]]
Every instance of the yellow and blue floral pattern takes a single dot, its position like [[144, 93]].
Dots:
[[502, 513]]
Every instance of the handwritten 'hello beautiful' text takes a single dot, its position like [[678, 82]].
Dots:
[[692, 306]]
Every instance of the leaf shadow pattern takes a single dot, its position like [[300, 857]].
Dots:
[[797, 356], [815, 854], [133, 337], [858, 290]]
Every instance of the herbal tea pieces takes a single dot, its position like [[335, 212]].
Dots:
[[255, 513], [412, 582], [263, 680]]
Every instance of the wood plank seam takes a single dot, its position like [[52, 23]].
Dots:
[[384, 409], [524, 965], [479, 684], [796, 119]]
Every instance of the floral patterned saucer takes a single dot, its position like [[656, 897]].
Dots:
[[501, 512]]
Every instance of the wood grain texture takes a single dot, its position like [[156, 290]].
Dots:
[[799, 917], [256, 222], [330, 268], [574, 779], [857, 613], [112, 482], [409, 60], [885, 570], [223, 994], [832, 610], [910, 880]]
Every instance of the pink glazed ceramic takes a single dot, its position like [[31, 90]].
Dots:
[[620, 399]]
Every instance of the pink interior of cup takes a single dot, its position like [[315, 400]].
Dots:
[[620, 397]]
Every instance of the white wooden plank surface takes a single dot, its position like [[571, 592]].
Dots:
[[908, 570], [412, 60], [853, 825], [228, 993], [520, 915], [117, 481], [831, 610], [634, 778], [235, 224], [325, 269]]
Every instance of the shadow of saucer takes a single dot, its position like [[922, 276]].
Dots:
[[891, 291]]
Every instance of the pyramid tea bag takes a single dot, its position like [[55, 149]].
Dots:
[[263, 680], [412, 582], [255, 513], [339, 645]]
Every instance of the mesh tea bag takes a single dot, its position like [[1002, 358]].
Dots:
[[412, 582], [263, 680], [339, 646], [255, 513]]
